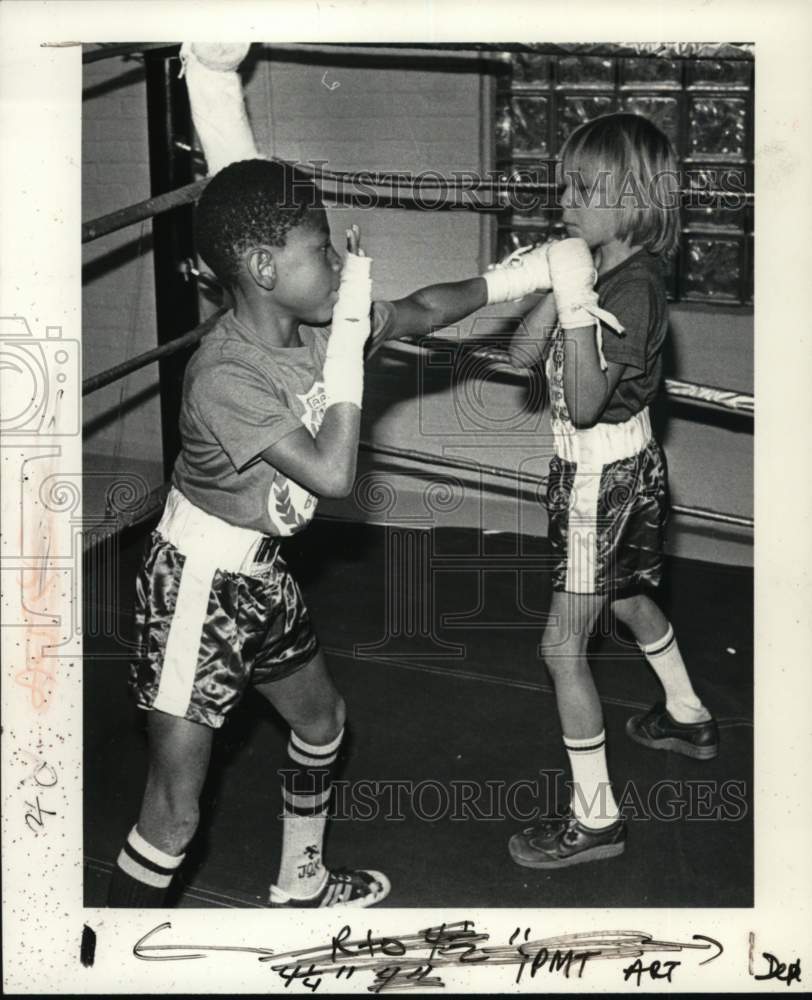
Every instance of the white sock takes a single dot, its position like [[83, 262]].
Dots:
[[306, 787], [142, 874], [666, 662], [592, 800]]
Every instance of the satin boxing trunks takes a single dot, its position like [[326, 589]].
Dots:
[[607, 507], [216, 610]]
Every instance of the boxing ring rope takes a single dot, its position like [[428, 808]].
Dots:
[[188, 194], [430, 462], [662, 50], [531, 487], [141, 210], [150, 207], [110, 375], [705, 396]]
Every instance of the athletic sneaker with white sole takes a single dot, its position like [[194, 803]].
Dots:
[[342, 887]]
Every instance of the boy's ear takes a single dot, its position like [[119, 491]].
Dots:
[[262, 267]]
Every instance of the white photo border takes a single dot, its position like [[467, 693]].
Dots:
[[40, 172]]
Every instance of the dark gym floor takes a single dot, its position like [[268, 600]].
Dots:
[[433, 641]]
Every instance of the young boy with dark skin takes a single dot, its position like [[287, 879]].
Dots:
[[270, 421]]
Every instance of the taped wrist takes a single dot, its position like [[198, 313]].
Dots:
[[573, 276], [526, 270], [216, 99], [344, 360]]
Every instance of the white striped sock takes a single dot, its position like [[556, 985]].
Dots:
[[592, 800], [301, 872], [665, 660], [146, 863]]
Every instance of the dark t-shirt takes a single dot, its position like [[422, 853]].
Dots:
[[240, 396], [634, 292]]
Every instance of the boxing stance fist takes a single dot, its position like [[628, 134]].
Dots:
[[344, 361], [573, 277], [526, 270]]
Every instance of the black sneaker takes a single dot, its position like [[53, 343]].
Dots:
[[560, 843], [658, 730]]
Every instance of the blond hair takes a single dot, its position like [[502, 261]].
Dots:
[[641, 167]]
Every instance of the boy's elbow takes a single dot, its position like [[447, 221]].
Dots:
[[582, 422], [584, 417], [586, 409], [337, 491], [336, 484]]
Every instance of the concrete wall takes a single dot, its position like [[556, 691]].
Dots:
[[358, 110]]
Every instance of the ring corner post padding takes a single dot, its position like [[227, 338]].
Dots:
[[171, 167]]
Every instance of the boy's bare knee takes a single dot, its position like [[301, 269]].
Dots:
[[339, 714], [169, 815], [641, 616], [322, 725], [171, 833], [559, 651], [548, 649], [332, 721], [629, 610]]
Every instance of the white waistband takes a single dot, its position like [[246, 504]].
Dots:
[[207, 538], [594, 447]]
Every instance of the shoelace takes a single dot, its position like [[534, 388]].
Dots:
[[548, 825], [345, 876]]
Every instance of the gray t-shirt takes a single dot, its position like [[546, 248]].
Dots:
[[634, 292], [240, 396]]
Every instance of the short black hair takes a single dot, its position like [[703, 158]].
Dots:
[[248, 203]]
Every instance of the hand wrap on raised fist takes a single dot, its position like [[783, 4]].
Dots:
[[573, 276], [526, 270], [216, 99], [344, 361]]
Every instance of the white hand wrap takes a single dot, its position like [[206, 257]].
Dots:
[[573, 275], [216, 98], [344, 361], [526, 270]]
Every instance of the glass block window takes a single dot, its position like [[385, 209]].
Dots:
[[704, 106]]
